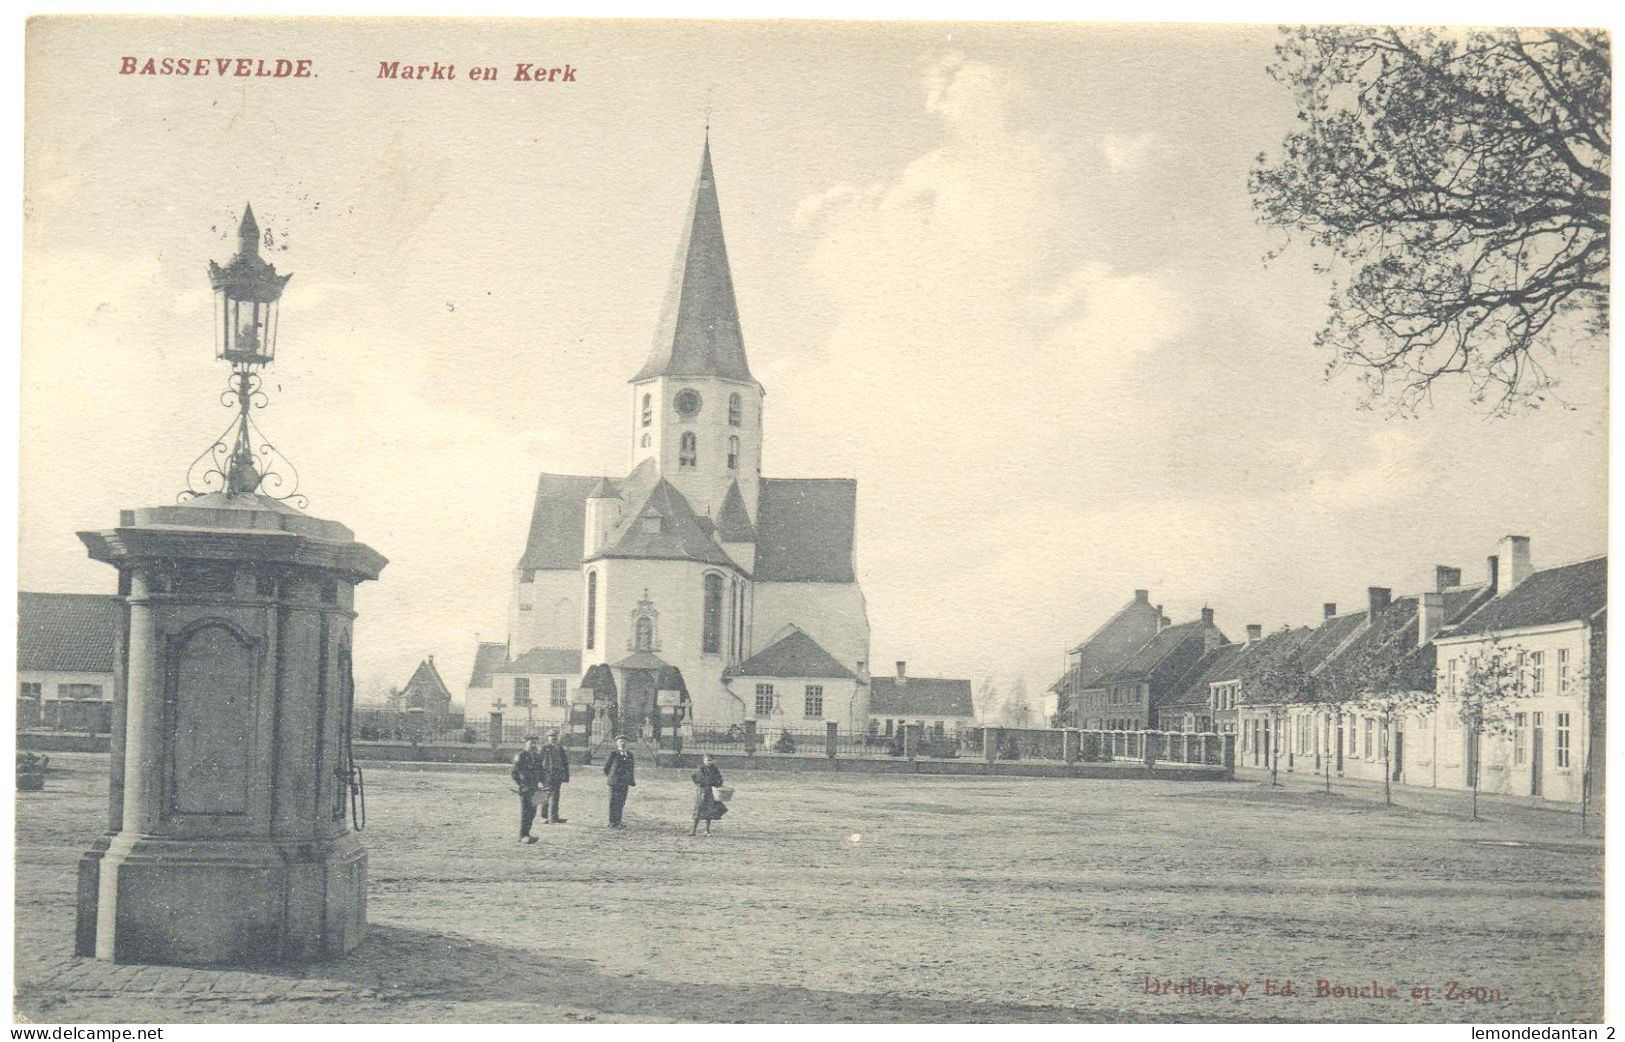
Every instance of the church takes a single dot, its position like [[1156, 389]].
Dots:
[[694, 573]]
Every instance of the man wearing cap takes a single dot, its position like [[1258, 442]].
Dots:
[[527, 775], [555, 772], [618, 770]]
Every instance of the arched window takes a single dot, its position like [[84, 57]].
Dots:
[[735, 411], [711, 636], [733, 453], [592, 610], [645, 442], [740, 647], [733, 613], [688, 453], [643, 637], [648, 411]]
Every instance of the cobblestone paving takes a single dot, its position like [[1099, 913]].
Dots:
[[880, 898]]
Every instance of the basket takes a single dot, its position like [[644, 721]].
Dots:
[[724, 792]]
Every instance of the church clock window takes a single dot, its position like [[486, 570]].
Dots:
[[688, 403], [711, 635], [648, 412], [592, 610], [735, 410], [733, 453], [688, 453]]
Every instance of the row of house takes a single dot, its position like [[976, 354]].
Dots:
[[1497, 684]]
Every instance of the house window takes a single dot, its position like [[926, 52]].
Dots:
[[1537, 672], [643, 634], [27, 690], [733, 453], [711, 635], [648, 415], [592, 610], [1519, 722], [688, 453], [735, 412], [559, 696], [1370, 731], [938, 730], [1562, 739], [521, 691], [1451, 687], [80, 691], [764, 699], [1563, 670], [888, 728], [815, 701]]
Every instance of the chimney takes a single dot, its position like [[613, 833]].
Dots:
[[902, 672], [1255, 631], [1328, 609], [1430, 614], [1445, 577], [1162, 620], [1377, 598], [1142, 596], [1515, 566], [1207, 616]]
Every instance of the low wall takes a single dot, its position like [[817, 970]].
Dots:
[[406, 751], [965, 766], [63, 742]]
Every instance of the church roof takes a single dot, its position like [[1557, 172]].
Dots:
[[558, 522], [804, 529], [665, 527], [486, 659], [605, 489], [733, 523], [698, 334], [794, 655]]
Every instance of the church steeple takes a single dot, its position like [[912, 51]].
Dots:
[[698, 334]]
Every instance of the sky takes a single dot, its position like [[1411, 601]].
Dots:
[[1007, 277]]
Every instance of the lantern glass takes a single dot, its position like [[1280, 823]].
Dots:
[[246, 328]]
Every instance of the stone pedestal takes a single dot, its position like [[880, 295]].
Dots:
[[230, 840]]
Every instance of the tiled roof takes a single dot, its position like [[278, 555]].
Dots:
[[920, 697], [1563, 594], [1109, 646], [804, 529], [1164, 658], [698, 333], [487, 657], [545, 661], [1262, 655], [665, 528], [794, 655], [66, 632], [1215, 667], [1327, 639], [427, 677], [558, 522]]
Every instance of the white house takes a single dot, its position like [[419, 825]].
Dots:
[[65, 645], [942, 707]]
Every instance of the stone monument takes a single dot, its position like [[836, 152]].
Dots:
[[233, 790]]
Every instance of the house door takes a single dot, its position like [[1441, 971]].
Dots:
[[638, 703], [1536, 745]]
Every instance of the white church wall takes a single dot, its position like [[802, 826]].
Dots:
[[546, 612], [833, 614]]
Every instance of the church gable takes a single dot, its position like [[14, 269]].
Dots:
[[557, 522], [665, 527]]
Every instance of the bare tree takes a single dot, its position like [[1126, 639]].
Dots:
[[1483, 696], [1018, 712], [1461, 182], [1375, 675]]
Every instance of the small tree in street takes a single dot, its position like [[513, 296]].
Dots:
[[1491, 681], [1018, 712], [1278, 680], [1374, 675]]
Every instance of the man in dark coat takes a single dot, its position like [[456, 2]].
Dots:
[[555, 772], [619, 771], [527, 775]]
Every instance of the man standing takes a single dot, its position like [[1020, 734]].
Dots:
[[527, 775], [555, 772], [618, 769]]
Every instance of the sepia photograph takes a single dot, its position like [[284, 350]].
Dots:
[[540, 521]]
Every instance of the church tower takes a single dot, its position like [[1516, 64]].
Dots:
[[696, 409]]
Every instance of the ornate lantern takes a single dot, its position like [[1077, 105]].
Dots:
[[246, 292]]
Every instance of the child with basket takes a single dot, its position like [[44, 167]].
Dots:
[[708, 795]]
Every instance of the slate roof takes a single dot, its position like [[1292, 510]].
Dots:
[[487, 657], [1564, 594], [66, 632], [698, 333], [558, 522], [804, 529], [794, 655], [545, 661], [920, 697], [733, 521], [1153, 660], [665, 527]]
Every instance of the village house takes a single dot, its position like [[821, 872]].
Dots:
[[528, 694], [1106, 648], [425, 699], [65, 647], [794, 682], [943, 708], [1128, 697]]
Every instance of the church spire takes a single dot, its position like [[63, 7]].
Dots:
[[699, 332]]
